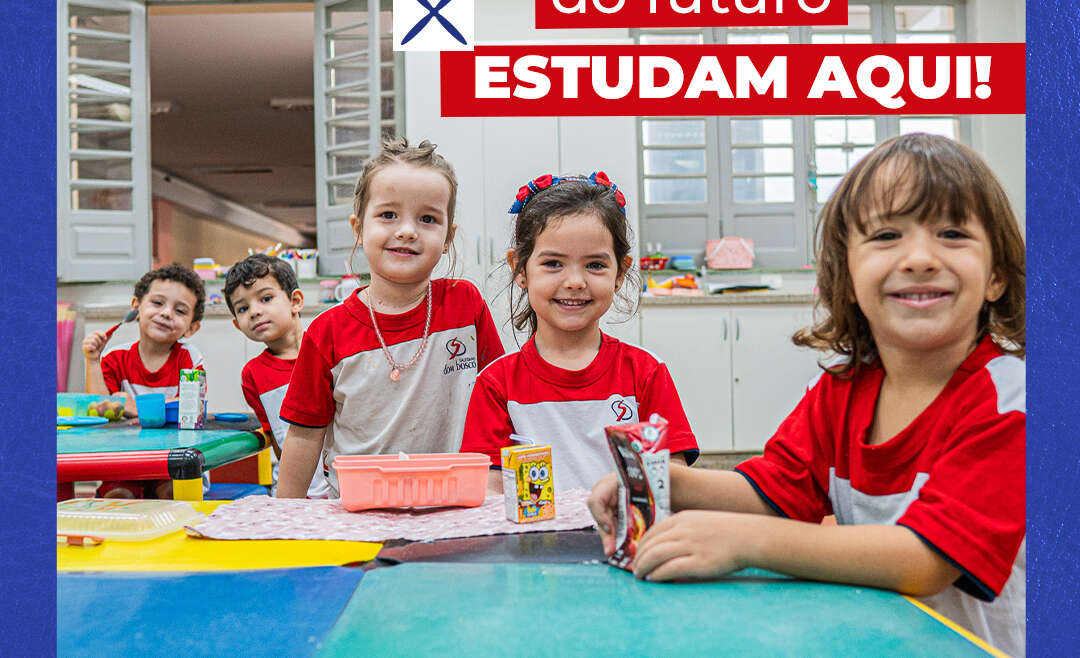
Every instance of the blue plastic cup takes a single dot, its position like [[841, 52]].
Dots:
[[151, 409]]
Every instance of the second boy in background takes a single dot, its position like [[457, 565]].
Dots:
[[263, 295]]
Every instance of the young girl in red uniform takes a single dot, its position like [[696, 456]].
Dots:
[[913, 437], [569, 380], [391, 367]]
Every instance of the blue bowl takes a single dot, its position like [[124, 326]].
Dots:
[[172, 412]]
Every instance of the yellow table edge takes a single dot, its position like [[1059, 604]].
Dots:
[[971, 637], [179, 552]]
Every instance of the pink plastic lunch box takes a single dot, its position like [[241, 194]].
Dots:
[[422, 480]]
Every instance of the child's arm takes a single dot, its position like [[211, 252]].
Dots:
[[488, 343], [92, 346], [299, 459], [727, 526], [251, 396], [487, 426], [699, 544]]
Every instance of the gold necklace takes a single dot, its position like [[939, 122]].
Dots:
[[395, 367]]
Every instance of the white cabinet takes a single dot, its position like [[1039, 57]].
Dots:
[[769, 373], [736, 369], [225, 351]]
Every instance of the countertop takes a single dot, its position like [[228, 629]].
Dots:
[[117, 311], [763, 297]]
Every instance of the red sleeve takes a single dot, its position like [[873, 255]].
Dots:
[[310, 399], [784, 476], [971, 508], [659, 396], [487, 422], [488, 344], [251, 395], [110, 370]]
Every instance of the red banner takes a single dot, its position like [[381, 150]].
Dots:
[[688, 13], [678, 80]]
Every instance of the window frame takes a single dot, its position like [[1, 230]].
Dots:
[[719, 211]]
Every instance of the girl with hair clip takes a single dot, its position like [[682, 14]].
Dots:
[[913, 436], [391, 367], [570, 257]]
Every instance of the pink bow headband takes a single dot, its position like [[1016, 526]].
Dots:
[[536, 185]]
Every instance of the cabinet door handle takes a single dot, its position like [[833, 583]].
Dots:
[[737, 329], [725, 328], [477, 250], [491, 251]]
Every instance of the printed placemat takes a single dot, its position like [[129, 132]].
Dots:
[[261, 517]]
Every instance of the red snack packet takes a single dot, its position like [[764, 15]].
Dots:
[[642, 461]]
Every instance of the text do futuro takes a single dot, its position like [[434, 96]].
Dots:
[[720, 7], [879, 77]]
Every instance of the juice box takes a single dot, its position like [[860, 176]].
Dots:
[[528, 483], [192, 407], [642, 464]]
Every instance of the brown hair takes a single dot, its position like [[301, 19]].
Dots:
[[925, 177], [245, 272], [180, 274], [398, 151], [555, 203]]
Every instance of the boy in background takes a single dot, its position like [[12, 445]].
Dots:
[[170, 303], [265, 300]]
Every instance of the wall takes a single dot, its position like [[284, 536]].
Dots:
[[1000, 138], [181, 235]]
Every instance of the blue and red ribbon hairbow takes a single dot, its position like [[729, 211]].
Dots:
[[536, 185]]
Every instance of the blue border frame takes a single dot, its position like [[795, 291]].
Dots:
[[27, 205], [28, 209], [1053, 200]]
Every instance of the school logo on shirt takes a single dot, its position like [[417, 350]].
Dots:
[[459, 359], [455, 347], [622, 410]]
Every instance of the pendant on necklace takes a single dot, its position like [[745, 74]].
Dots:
[[395, 374]]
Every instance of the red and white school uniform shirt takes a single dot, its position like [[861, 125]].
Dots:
[[124, 371], [569, 409], [265, 379], [954, 476], [341, 379]]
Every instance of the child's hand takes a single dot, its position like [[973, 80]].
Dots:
[[695, 545], [93, 344], [604, 503]]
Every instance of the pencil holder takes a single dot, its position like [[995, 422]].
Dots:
[[305, 268]]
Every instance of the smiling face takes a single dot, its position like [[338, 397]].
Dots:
[[572, 274], [166, 312], [263, 312], [405, 227], [921, 285]]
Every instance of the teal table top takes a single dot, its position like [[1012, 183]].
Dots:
[[592, 609], [124, 438]]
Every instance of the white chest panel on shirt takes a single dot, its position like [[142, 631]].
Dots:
[[575, 432]]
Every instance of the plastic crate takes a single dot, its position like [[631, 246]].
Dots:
[[422, 480]]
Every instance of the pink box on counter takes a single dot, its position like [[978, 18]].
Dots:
[[420, 480]]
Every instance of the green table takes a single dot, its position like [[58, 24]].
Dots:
[[123, 451], [591, 609]]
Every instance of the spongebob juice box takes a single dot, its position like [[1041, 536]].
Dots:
[[192, 407], [528, 483], [642, 466]]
